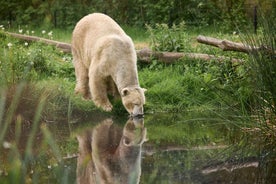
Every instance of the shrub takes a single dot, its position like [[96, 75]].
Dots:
[[165, 38]]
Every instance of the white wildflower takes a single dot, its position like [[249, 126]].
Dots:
[[27, 32], [26, 43], [6, 145], [32, 32], [50, 33], [20, 31], [9, 45], [43, 31]]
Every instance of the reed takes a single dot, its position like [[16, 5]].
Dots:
[[262, 64]]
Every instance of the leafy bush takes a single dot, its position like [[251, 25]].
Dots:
[[165, 38]]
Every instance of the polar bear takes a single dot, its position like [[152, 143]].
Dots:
[[105, 63], [109, 154]]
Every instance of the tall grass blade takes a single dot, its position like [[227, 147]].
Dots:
[[10, 113]]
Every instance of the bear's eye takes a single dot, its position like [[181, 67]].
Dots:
[[125, 92]]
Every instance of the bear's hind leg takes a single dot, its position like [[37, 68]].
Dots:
[[98, 89], [82, 80]]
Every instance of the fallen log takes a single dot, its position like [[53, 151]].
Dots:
[[225, 45], [144, 55], [65, 47]]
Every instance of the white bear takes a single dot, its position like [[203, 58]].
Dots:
[[105, 62], [109, 154]]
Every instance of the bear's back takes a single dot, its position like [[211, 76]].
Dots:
[[91, 32], [94, 26]]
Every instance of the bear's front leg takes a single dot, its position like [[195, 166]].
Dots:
[[81, 73], [98, 89]]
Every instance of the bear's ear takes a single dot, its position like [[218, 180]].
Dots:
[[125, 92]]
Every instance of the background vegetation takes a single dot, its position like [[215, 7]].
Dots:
[[65, 13]]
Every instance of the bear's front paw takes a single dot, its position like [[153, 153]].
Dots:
[[85, 94], [107, 107]]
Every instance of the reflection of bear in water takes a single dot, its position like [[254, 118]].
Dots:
[[108, 154]]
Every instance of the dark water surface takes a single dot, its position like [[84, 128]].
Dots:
[[161, 148]]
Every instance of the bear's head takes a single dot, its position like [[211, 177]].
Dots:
[[134, 132], [133, 99]]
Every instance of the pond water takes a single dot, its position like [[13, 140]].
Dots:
[[159, 148]]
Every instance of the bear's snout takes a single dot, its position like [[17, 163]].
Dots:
[[138, 111]]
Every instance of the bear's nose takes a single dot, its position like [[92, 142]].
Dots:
[[137, 111]]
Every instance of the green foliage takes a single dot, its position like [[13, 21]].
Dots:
[[31, 61], [236, 18], [229, 14], [164, 38]]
